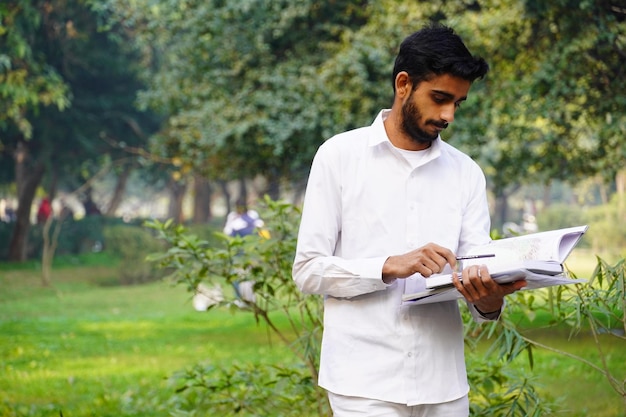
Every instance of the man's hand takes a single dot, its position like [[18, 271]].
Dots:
[[427, 260], [477, 286]]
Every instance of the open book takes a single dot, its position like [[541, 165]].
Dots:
[[538, 258]]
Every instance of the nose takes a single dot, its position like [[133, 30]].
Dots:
[[447, 112]]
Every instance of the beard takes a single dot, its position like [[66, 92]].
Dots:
[[411, 120]]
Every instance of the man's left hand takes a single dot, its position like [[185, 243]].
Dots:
[[478, 288]]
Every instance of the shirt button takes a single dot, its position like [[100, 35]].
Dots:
[[410, 354]]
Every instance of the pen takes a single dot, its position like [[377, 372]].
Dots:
[[487, 255]]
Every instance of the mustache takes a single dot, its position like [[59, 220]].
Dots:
[[441, 124]]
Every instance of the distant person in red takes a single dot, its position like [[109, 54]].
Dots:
[[45, 210]]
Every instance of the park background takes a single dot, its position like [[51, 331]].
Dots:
[[126, 112]]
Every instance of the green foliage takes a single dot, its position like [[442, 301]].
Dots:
[[68, 92], [131, 245], [608, 228], [601, 305], [238, 81], [246, 389], [598, 306], [544, 113], [560, 215], [254, 87], [76, 237], [267, 262], [26, 80], [500, 390]]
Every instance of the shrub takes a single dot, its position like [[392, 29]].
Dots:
[[75, 238], [132, 244], [559, 216], [607, 231]]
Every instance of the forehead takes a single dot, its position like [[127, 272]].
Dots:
[[455, 87]]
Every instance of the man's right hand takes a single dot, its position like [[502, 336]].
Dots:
[[428, 260]]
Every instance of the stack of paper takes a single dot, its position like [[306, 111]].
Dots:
[[538, 258]]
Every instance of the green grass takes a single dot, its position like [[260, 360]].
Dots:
[[578, 389], [87, 350], [91, 350]]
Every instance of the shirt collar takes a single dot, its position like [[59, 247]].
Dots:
[[379, 135]]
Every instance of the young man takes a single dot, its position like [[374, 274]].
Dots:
[[387, 206]]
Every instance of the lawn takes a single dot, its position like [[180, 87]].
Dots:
[[580, 390], [86, 349]]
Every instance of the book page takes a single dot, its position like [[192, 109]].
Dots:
[[554, 245]]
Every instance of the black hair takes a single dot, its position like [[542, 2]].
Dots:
[[437, 50]]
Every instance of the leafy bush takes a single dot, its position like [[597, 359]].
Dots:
[[223, 261], [598, 306], [607, 231], [246, 389], [132, 244], [76, 236], [559, 216]]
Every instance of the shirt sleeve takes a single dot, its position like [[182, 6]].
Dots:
[[482, 317], [316, 269]]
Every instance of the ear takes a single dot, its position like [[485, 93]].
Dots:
[[403, 84]]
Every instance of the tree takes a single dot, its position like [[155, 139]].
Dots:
[[549, 109], [69, 144], [238, 81], [27, 81], [258, 88]]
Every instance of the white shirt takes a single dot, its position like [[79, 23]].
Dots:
[[365, 202]]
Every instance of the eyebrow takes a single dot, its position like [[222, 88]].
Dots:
[[448, 95]]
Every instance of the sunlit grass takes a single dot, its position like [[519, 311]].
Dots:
[[86, 350]]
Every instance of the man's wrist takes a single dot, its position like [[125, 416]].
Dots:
[[489, 312], [491, 315]]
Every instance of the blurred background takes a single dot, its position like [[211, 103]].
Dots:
[[174, 109]]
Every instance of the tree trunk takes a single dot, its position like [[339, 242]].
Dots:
[[118, 193], [202, 200], [243, 191], [547, 195], [224, 187], [177, 190], [50, 243], [500, 211], [620, 190], [27, 187], [273, 186]]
